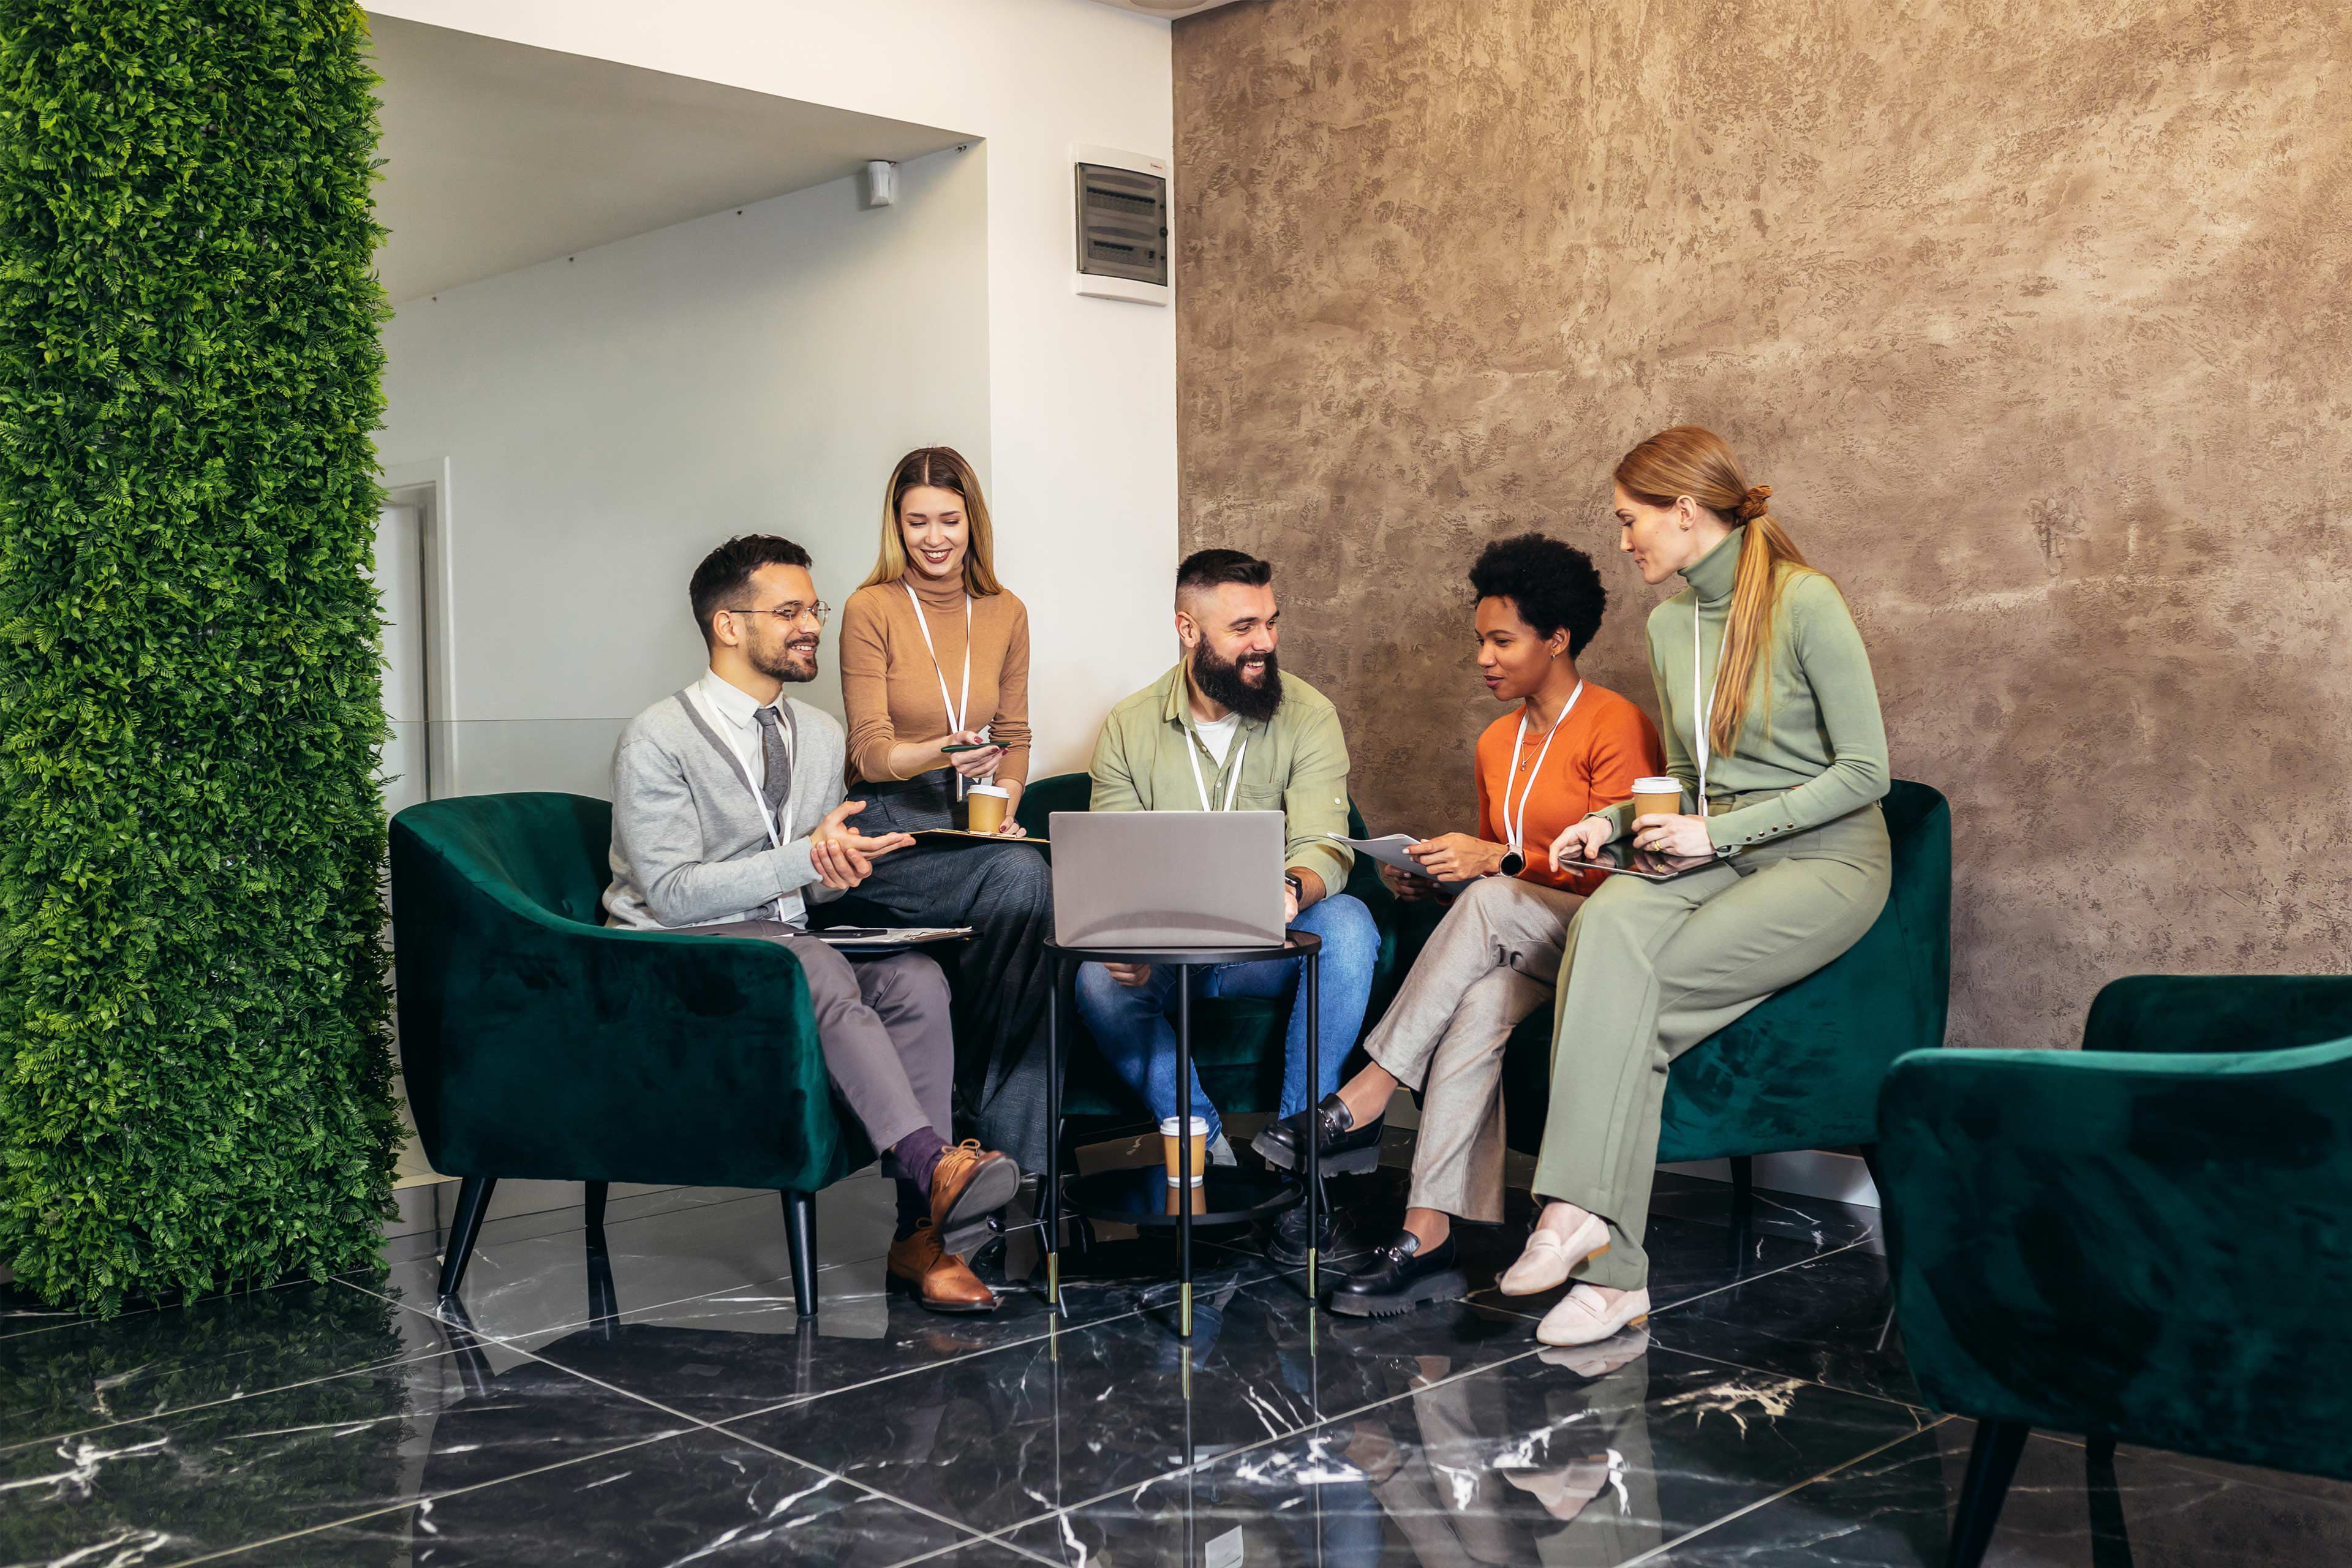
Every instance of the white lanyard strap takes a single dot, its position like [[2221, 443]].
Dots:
[[1515, 825], [957, 709], [1233, 787]]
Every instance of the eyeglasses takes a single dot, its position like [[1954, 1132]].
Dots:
[[819, 612]]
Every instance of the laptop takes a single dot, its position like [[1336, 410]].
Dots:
[[1168, 878]]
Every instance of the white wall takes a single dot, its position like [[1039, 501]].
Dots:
[[606, 419], [1081, 435]]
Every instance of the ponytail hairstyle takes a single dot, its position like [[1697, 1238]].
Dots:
[[939, 467], [1689, 461]]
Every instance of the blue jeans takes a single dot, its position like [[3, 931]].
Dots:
[[1134, 1025]]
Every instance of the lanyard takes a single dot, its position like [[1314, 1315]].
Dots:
[[779, 833], [956, 710], [1193, 755], [1704, 698], [1516, 827]]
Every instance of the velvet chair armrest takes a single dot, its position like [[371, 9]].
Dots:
[[535, 1046], [2157, 1248], [2169, 1013]]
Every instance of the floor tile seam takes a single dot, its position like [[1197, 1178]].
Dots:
[[1683, 1301], [178, 1410], [1198, 1466], [571, 1323], [1655, 1552], [421, 1499], [77, 1320], [973, 1534], [1807, 1382], [804, 1400]]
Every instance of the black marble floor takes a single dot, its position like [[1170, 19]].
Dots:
[[671, 1408]]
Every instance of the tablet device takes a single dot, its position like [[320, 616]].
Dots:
[[1622, 859]]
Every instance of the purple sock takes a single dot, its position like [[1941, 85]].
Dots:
[[918, 1153], [914, 1208]]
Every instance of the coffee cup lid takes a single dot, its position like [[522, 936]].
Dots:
[[1656, 786], [1171, 1126], [989, 789]]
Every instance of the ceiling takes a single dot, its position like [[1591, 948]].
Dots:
[[498, 155], [1167, 7]]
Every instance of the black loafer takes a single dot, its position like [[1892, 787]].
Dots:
[[1286, 1244], [1348, 1150], [1400, 1277]]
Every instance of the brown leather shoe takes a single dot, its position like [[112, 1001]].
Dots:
[[942, 1281], [969, 1183]]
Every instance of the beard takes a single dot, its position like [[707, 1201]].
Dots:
[[1222, 683], [786, 661]]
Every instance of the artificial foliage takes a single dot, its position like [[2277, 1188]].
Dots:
[[194, 1068]]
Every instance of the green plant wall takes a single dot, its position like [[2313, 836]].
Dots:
[[194, 1073]]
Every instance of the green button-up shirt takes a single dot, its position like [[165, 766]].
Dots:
[[1295, 762]]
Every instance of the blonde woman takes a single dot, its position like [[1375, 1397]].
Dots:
[[1772, 725], [935, 653]]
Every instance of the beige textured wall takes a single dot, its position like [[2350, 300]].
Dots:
[[2037, 316]]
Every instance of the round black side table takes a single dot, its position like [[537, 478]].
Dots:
[[1228, 1196]]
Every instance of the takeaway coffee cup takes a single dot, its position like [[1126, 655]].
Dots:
[[987, 807], [1171, 1133], [1657, 797]]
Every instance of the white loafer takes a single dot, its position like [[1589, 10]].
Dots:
[[1550, 1257], [1584, 1318]]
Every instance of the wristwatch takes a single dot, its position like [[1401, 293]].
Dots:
[[1297, 889], [1513, 863]]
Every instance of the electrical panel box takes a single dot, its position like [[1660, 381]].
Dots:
[[1123, 230]]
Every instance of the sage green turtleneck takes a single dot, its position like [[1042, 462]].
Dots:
[[1812, 728]]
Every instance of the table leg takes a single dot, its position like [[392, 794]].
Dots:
[[1051, 1195], [1312, 983], [1184, 1149]]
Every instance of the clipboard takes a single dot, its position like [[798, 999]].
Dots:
[[979, 837]]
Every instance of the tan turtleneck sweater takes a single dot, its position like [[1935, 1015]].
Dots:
[[890, 688]]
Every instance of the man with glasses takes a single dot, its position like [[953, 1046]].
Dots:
[[729, 820]]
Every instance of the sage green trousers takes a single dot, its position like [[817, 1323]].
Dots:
[[1652, 969]]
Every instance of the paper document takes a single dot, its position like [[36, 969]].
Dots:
[[889, 936], [1390, 851]]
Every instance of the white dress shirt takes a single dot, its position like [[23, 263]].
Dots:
[[735, 714]]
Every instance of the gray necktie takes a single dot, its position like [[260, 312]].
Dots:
[[776, 757]]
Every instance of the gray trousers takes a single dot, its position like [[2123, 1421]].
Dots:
[[1491, 961], [883, 1025]]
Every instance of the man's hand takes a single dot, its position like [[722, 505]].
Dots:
[[1128, 973], [843, 856], [1456, 857], [1290, 904]]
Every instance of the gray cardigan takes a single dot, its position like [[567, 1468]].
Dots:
[[690, 848]]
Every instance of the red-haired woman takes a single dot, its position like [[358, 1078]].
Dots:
[[1772, 725]]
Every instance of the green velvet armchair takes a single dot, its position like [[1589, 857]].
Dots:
[[536, 1043], [1236, 1040], [2148, 1240], [1803, 1070]]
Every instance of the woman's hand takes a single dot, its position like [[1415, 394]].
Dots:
[[1580, 841], [1456, 857], [1012, 829], [1677, 835], [977, 764]]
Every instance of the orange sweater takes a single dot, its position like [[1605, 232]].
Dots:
[[1603, 746], [890, 688]]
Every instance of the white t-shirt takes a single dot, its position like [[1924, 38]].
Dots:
[[1218, 737]]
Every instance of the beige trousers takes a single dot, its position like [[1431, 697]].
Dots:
[[1491, 961]]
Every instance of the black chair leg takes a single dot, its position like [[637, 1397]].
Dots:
[[800, 1236], [2110, 1542], [1992, 1460], [1743, 1186], [594, 1205], [473, 1198]]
